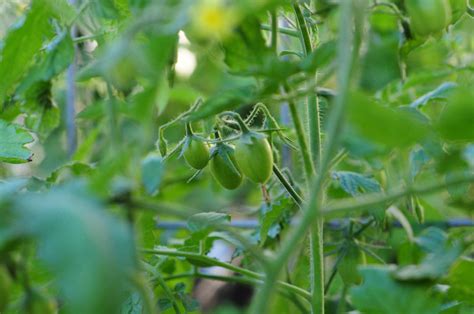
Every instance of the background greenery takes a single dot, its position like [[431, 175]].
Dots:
[[373, 128]]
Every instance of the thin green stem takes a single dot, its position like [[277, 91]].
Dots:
[[294, 195], [302, 142], [243, 280], [345, 58], [274, 38], [282, 30], [214, 262], [167, 291], [316, 240], [372, 200]]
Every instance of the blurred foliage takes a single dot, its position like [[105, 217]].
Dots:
[[78, 227]]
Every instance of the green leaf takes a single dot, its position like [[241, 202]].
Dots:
[[164, 304], [58, 54], [391, 127], [225, 100], [380, 293], [461, 281], [204, 221], [12, 141], [355, 183], [319, 57], [152, 172], [438, 92], [246, 48], [80, 243], [22, 43], [441, 255], [457, 119]]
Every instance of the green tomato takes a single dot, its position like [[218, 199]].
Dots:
[[196, 153], [224, 167], [458, 8], [254, 157], [5, 286], [428, 16]]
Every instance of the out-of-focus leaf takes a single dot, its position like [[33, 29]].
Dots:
[[21, 44], [133, 305], [418, 158], [319, 57], [68, 223], [246, 47], [204, 221], [152, 172], [457, 119], [461, 281], [12, 143], [355, 183], [398, 215], [441, 254], [164, 304], [381, 63], [380, 293], [58, 54], [438, 92], [225, 100], [391, 127]]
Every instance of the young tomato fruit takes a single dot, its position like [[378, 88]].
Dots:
[[428, 16], [224, 168], [196, 153], [254, 156], [5, 286]]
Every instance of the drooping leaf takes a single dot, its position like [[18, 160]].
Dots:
[[380, 293], [12, 143]]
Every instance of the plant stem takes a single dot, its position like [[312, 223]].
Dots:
[[298, 200], [345, 58], [316, 237], [274, 38], [372, 200], [283, 30], [214, 262], [243, 280], [300, 134]]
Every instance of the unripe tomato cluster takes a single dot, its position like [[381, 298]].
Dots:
[[251, 157], [432, 16]]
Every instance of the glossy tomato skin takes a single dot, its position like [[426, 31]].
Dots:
[[428, 16], [196, 153], [224, 168], [5, 286], [254, 157]]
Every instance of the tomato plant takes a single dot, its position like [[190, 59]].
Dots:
[[220, 156]]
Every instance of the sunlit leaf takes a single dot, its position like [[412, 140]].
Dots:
[[12, 143]]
